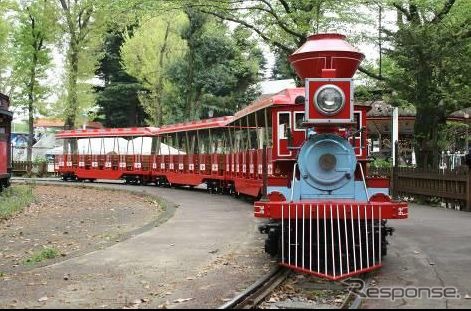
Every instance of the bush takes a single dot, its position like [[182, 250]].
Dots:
[[380, 163]]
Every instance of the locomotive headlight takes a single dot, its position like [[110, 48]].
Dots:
[[329, 99]]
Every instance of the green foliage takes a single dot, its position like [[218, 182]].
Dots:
[[285, 25], [282, 68], [6, 57], [178, 60], [207, 82], [118, 98], [47, 253], [380, 164], [14, 200], [36, 30], [368, 93], [430, 66], [83, 24], [32, 53], [39, 160], [146, 55], [452, 136], [21, 127]]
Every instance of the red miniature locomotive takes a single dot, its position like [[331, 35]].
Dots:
[[328, 219], [301, 152]]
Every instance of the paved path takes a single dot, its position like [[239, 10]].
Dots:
[[207, 251], [431, 249]]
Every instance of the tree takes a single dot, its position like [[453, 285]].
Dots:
[[431, 36], [6, 59], [206, 84], [281, 68], [36, 30], [431, 66], [118, 98], [427, 55], [82, 22], [152, 48], [285, 25]]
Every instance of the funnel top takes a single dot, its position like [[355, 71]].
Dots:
[[326, 51]]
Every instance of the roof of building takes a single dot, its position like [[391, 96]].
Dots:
[[380, 109], [462, 114]]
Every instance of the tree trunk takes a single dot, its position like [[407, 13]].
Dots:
[[72, 98], [189, 103], [32, 81], [159, 87], [429, 117]]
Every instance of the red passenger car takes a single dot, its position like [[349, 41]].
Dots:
[[5, 134]]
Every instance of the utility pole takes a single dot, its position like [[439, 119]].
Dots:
[[395, 135]]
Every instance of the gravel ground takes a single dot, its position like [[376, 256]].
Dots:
[[71, 221]]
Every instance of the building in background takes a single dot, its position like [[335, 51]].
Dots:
[[44, 139], [380, 127]]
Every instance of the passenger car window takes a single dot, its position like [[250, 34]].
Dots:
[[298, 119], [283, 125]]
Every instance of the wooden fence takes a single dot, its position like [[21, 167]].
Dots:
[[20, 168], [451, 187]]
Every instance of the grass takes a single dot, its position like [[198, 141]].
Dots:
[[14, 200], [44, 254]]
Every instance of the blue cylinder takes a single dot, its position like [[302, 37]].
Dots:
[[327, 162]]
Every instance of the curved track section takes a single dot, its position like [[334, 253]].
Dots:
[[252, 296]]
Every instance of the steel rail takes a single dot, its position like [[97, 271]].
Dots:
[[355, 300], [253, 295]]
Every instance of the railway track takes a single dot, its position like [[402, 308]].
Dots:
[[253, 296]]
